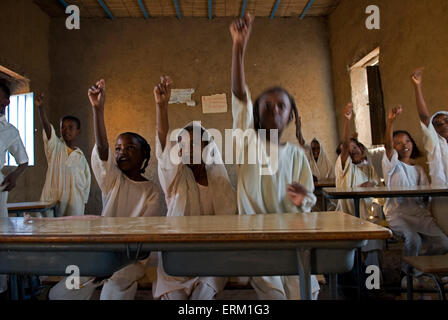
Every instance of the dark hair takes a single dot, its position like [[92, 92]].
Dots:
[[5, 88], [256, 114], [72, 118], [339, 148], [415, 150], [359, 144], [146, 148]]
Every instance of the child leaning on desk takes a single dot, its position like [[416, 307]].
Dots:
[[354, 169]]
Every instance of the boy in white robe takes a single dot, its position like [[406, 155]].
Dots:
[[192, 186], [126, 193], [9, 141], [68, 175], [285, 185], [353, 169], [435, 139], [408, 217]]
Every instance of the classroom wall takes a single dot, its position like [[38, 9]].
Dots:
[[131, 54], [24, 39], [413, 34]]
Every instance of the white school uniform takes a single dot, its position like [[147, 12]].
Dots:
[[322, 169], [353, 175], [68, 176], [185, 197], [436, 148], [122, 197], [258, 194], [9, 141], [410, 217]]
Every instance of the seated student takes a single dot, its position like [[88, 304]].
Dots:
[[287, 188], [9, 141], [353, 169], [435, 139], [68, 173], [321, 167], [193, 186], [126, 193], [408, 217]]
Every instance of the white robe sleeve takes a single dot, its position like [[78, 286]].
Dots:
[[242, 112], [18, 151], [306, 180], [51, 144], [166, 168], [389, 166], [106, 172], [342, 173], [430, 138], [87, 182]]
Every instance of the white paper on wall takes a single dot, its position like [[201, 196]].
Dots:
[[182, 96], [216, 103]]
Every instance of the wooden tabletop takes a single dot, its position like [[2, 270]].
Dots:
[[325, 183], [30, 205], [385, 192], [234, 228], [429, 264]]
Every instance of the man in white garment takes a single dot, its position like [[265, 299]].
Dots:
[[435, 137], [9, 141], [68, 174]]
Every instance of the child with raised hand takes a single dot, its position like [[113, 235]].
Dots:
[[192, 187], [354, 169], [435, 139], [408, 217], [68, 175], [125, 192], [10, 141], [287, 189]]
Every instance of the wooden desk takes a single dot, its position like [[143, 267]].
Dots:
[[319, 185], [272, 244], [20, 207], [358, 193]]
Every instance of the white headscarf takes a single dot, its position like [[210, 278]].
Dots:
[[179, 184], [322, 168]]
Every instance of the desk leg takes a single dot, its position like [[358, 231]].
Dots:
[[55, 211], [303, 259], [333, 279], [358, 253], [14, 287], [324, 202]]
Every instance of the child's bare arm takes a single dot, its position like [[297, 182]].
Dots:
[[422, 109], [38, 101], [162, 94], [9, 182], [348, 111], [97, 97], [240, 30], [391, 116]]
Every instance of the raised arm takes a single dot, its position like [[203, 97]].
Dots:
[[240, 30], [391, 116], [97, 97], [348, 111], [162, 94], [422, 109], [38, 101]]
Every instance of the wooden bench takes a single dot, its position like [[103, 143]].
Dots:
[[432, 266]]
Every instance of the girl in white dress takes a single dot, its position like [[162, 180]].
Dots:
[[408, 217]]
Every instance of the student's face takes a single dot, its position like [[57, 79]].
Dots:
[[274, 110], [315, 148], [188, 134], [440, 123], [403, 145], [356, 153], [128, 153], [69, 130], [4, 102]]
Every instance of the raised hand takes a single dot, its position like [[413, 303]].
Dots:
[[417, 76], [241, 28], [97, 94], [39, 99], [348, 111], [394, 113], [162, 91], [296, 193]]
